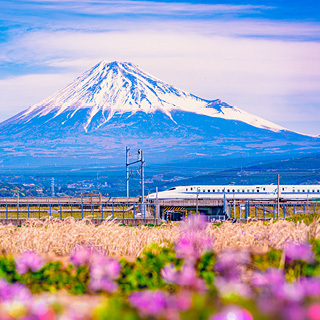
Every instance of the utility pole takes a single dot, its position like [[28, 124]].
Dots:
[[52, 187], [142, 165], [197, 206], [157, 205], [278, 204], [224, 201], [141, 158], [127, 166]]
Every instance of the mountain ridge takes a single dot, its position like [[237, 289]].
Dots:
[[124, 87], [117, 104]]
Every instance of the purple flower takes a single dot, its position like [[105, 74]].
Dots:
[[102, 273], [292, 292], [186, 277], [14, 292], [185, 248], [28, 261], [229, 262], [294, 311], [149, 303], [272, 279], [194, 223], [103, 267], [181, 301], [41, 309], [310, 286], [169, 274], [193, 241], [81, 256], [232, 313], [103, 284], [299, 251]]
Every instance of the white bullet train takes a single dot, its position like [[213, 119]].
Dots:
[[240, 192]]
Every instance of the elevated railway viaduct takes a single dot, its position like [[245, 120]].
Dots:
[[124, 209]]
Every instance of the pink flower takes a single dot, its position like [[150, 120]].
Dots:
[[103, 272], [299, 251], [234, 313], [193, 241], [11, 292], [28, 261], [149, 303], [182, 301], [169, 274], [104, 284], [272, 279], [229, 262], [186, 277], [314, 311], [310, 286], [81, 256], [104, 267]]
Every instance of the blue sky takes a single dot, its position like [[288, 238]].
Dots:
[[261, 56]]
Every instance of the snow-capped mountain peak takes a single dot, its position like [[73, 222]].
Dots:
[[121, 87]]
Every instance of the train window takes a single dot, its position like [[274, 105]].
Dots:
[[302, 190], [208, 190], [203, 190], [282, 189], [264, 189], [248, 190], [228, 190], [252, 190], [312, 190], [213, 190], [191, 189], [186, 189], [242, 190], [317, 190], [308, 190], [293, 190], [258, 190], [233, 190], [298, 190], [218, 190], [172, 189], [238, 190]]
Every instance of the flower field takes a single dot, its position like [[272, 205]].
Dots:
[[192, 270]]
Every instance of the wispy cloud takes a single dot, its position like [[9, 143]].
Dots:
[[132, 7], [257, 75]]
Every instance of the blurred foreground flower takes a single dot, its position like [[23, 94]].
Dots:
[[28, 261], [16, 291], [81, 256], [160, 304], [186, 277], [103, 272], [193, 241], [149, 303], [232, 313], [299, 251], [230, 261], [314, 311], [272, 279]]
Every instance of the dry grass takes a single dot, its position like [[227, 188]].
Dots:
[[54, 237]]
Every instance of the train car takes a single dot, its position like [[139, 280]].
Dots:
[[240, 192]]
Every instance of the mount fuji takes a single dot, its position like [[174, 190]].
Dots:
[[117, 104]]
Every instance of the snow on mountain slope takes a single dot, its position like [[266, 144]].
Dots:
[[123, 87]]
